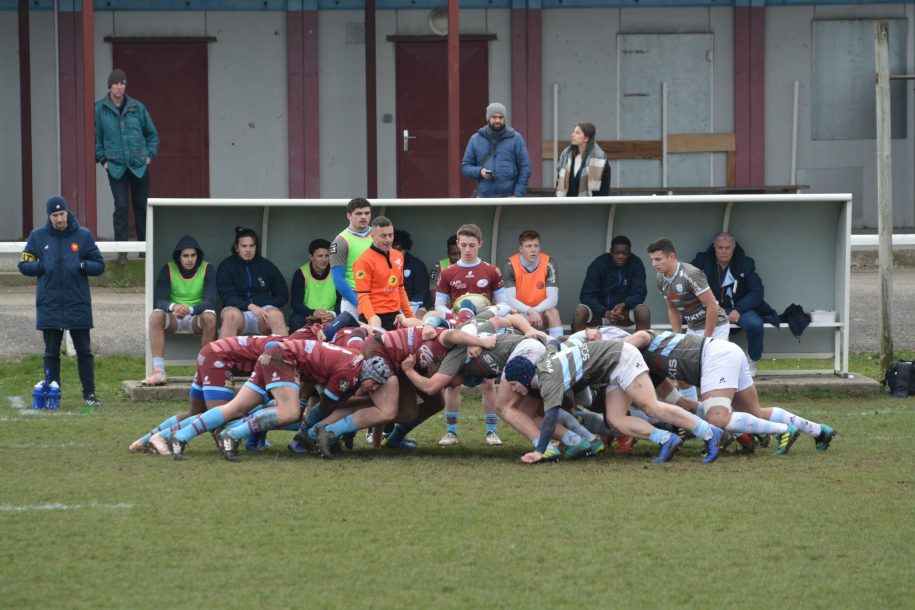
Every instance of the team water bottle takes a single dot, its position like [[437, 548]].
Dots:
[[39, 395], [53, 399]]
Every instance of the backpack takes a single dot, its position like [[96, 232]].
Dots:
[[900, 379]]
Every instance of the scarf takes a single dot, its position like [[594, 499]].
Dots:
[[593, 160]]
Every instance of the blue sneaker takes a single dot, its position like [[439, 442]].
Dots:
[[551, 454], [668, 449], [257, 441], [404, 443], [597, 446], [301, 446], [576, 451], [713, 446]]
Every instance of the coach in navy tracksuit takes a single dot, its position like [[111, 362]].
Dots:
[[62, 255]]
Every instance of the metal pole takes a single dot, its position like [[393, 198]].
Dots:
[[884, 192], [25, 116], [454, 98], [794, 135], [664, 134], [555, 131]]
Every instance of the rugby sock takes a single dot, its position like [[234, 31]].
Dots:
[[492, 422], [210, 420], [566, 419], [547, 427], [700, 410], [744, 422], [702, 430], [342, 426], [570, 439], [159, 363], [594, 422], [690, 393], [786, 417], [451, 420], [343, 320], [555, 331], [263, 420], [659, 436], [168, 423]]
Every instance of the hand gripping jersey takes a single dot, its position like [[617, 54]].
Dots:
[[490, 362], [676, 356], [395, 345]]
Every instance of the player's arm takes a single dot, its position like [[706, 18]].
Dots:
[[454, 337], [711, 312], [429, 385], [639, 339], [676, 322]]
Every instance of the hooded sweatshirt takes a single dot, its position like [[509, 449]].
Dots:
[[163, 287]]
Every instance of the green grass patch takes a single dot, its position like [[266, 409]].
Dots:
[[87, 525], [859, 363]]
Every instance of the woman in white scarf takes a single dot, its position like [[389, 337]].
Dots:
[[584, 170]]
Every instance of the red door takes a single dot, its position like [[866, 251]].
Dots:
[[422, 113], [170, 78]]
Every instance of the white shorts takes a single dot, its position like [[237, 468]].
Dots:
[[252, 326], [607, 333], [185, 326], [631, 365], [347, 307], [722, 332], [724, 367]]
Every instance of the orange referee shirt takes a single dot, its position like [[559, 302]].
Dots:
[[379, 283]]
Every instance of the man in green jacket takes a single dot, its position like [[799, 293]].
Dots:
[[126, 142]]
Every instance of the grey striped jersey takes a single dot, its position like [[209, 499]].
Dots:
[[577, 363], [491, 361], [683, 290], [675, 355]]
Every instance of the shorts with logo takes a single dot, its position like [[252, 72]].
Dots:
[[724, 367], [631, 365]]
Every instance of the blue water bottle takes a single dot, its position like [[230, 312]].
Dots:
[[39, 395], [53, 399]]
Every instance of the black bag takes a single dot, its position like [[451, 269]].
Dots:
[[797, 319], [900, 379]]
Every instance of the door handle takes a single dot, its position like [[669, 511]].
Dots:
[[406, 139]]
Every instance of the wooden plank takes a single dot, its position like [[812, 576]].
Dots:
[[700, 142], [732, 169], [616, 149]]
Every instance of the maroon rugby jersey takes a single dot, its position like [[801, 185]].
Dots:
[[482, 278], [335, 368], [237, 354], [395, 345]]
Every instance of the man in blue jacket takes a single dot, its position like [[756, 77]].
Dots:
[[614, 290], [126, 142], [62, 255], [738, 289], [496, 157]]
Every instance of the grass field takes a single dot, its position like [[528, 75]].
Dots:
[[84, 524]]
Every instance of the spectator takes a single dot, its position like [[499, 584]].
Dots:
[[454, 255], [739, 291], [313, 292], [62, 255], [496, 157], [614, 290], [184, 301], [584, 170], [126, 142], [252, 290], [415, 273], [531, 284]]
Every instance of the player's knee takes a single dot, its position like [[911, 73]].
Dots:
[[157, 319], [208, 321]]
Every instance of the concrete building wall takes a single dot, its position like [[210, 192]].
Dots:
[[830, 165]]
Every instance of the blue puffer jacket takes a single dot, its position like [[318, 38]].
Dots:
[[257, 281], [510, 164], [607, 285], [62, 262], [124, 139]]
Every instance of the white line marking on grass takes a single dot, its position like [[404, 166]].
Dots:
[[16, 402], [21, 508], [65, 445]]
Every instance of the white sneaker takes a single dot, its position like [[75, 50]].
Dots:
[[157, 441], [157, 377], [493, 439], [448, 440], [753, 366]]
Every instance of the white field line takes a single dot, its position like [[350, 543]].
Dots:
[[21, 508], [16, 402], [65, 445]]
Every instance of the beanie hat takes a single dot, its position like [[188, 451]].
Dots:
[[117, 76], [495, 108], [376, 369], [56, 204], [520, 369]]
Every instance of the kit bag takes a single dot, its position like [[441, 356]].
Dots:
[[900, 379]]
